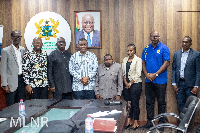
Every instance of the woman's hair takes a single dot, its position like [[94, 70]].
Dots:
[[133, 45]]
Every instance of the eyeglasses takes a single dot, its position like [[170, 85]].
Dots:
[[155, 36], [17, 36], [88, 22]]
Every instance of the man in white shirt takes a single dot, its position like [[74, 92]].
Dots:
[[83, 67], [11, 70]]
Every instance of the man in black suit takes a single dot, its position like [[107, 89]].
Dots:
[[185, 72]]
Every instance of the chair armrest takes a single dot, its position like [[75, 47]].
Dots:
[[164, 115], [164, 125]]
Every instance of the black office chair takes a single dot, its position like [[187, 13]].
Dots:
[[186, 119]]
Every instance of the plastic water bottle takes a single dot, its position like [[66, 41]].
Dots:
[[89, 124], [22, 112]]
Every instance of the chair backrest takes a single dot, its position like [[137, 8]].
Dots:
[[189, 113]]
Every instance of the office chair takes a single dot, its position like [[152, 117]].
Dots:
[[185, 120]]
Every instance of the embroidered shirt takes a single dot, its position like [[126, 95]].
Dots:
[[34, 69], [82, 66]]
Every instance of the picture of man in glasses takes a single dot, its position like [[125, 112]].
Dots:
[[92, 36]]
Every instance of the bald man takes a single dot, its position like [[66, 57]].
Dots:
[[92, 36], [34, 70], [155, 60]]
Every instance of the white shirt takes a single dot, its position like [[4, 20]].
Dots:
[[19, 59]]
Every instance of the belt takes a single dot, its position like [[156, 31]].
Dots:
[[181, 79]]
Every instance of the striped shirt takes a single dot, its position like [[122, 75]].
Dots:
[[83, 66]]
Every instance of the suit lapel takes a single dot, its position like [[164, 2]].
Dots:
[[13, 53], [179, 58], [189, 57]]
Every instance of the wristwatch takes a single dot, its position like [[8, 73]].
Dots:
[[156, 74]]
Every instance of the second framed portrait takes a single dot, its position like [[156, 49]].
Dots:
[[88, 26]]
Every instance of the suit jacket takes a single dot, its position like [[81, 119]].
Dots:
[[191, 71], [9, 67], [95, 38]]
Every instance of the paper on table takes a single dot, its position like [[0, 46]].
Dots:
[[99, 114], [2, 119]]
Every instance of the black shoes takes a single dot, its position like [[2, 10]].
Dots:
[[132, 128], [126, 127], [148, 125]]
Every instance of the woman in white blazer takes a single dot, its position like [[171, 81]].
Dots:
[[132, 68]]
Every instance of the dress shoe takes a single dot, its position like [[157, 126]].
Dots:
[[126, 127], [132, 128], [147, 125]]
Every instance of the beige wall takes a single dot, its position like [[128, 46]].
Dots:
[[123, 22]]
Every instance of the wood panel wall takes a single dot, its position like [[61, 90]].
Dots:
[[123, 22]]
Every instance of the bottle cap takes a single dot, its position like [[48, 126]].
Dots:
[[21, 100], [88, 115]]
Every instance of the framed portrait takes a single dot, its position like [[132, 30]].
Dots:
[[88, 26]]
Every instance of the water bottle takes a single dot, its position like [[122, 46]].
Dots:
[[89, 124], [22, 112]]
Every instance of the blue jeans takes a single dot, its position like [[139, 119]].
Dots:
[[84, 94], [183, 93]]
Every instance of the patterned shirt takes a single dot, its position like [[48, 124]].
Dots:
[[83, 66], [34, 69]]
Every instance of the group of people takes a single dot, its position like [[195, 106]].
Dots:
[[80, 73]]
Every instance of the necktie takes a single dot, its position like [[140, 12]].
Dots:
[[89, 40]]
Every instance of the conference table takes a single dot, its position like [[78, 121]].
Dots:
[[44, 115]]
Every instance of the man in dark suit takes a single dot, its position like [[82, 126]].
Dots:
[[92, 36], [185, 72], [11, 70], [60, 80]]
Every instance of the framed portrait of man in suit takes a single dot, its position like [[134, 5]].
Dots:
[[88, 26]]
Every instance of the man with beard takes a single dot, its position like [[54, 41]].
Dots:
[[92, 36], [185, 72], [155, 60], [11, 70], [109, 80], [83, 67], [60, 80], [35, 71]]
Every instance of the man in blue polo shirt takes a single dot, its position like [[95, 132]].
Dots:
[[155, 60]]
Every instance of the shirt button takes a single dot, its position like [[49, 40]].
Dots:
[[66, 68], [64, 57]]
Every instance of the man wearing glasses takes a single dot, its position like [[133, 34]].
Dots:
[[60, 80], [155, 60], [92, 36], [11, 70]]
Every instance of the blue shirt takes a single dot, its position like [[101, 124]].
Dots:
[[154, 58]]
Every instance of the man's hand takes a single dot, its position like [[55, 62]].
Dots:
[[175, 89], [194, 90], [128, 86], [53, 89], [152, 76], [98, 97], [85, 80], [7, 89], [29, 89], [117, 98], [148, 76]]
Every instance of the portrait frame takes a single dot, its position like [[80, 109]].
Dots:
[[93, 33]]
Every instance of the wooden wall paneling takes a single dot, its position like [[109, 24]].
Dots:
[[198, 25], [116, 31], [194, 24], [111, 29]]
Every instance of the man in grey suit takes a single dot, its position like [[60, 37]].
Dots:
[[92, 36], [185, 72], [11, 70]]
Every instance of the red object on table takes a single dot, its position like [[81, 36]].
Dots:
[[101, 125]]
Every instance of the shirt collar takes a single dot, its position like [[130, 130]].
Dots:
[[186, 51], [109, 67], [156, 45], [15, 48], [41, 53], [91, 33], [82, 54]]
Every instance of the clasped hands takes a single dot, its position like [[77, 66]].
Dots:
[[85, 80], [151, 76], [98, 96]]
